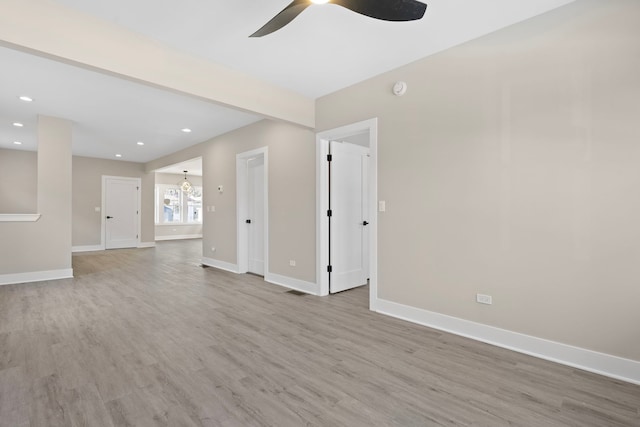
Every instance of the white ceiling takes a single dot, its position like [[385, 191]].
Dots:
[[110, 115], [324, 49]]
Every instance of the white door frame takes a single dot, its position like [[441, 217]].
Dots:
[[322, 195], [242, 194], [103, 223]]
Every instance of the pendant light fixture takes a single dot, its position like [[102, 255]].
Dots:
[[185, 185]]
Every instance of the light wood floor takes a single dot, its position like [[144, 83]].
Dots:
[[147, 337]]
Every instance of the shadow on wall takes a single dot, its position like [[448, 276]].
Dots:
[[18, 181]]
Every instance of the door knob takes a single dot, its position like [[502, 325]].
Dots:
[[365, 223], [109, 217], [248, 221]]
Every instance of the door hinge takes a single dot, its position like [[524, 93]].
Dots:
[[329, 212], [329, 157], [137, 212], [329, 269], [137, 236], [137, 188]]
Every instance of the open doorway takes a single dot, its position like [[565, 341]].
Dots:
[[350, 186], [178, 207]]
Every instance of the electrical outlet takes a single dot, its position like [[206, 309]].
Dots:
[[484, 299], [292, 262]]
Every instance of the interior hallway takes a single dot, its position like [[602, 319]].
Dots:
[[147, 337]]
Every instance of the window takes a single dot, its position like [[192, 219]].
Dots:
[[194, 205], [172, 203], [176, 207]]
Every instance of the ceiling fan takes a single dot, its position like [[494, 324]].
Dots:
[[386, 10]]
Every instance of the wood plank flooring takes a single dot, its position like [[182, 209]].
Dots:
[[147, 337]]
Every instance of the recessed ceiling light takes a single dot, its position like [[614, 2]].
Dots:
[[118, 155], [140, 143], [319, 1], [17, 142], [18, 125], [25, 98], [186, 130]]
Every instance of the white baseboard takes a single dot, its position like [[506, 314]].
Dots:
[[147, 245], [588, 360], [179, 237], [276, 279], [222, 265], [290, 282], [35, 276], [88, 248]]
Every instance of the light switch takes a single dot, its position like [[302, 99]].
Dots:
[[97, 208], [382, 206]]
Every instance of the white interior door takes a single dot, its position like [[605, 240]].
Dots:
[[121, 209], [348, 203], [255, 210]]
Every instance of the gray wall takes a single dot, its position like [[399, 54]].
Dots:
[[291, 193], [511, 168], [21, 167], [23, 241], [44, 245], [18, 181], [87, 195]]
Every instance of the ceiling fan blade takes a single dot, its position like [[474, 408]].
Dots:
[[386, 10], [287, 15]]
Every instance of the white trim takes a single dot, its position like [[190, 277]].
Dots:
[[104, 204], [87, 248], [322, 230], [242, 249], [290, 282], [222, 265], [19, 217], [576, 357], [143, 245], [179, 237], [322, 221], [242, 208], [35, 276]]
